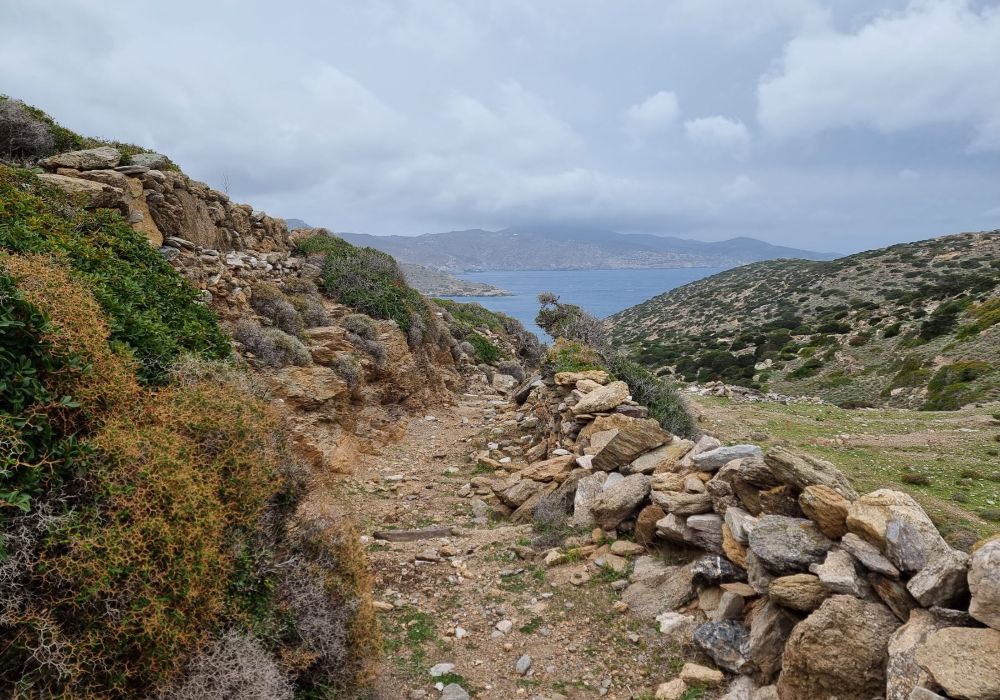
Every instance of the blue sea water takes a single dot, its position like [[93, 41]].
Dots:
[[601, 292]]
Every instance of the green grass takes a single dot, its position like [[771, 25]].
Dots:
[[946, 452]]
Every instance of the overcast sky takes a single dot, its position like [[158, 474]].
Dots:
[[828, 125]]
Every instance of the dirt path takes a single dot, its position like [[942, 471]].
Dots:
[[482, 599]]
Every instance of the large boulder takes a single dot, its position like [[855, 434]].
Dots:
[[630, 442], [802, 471], [770, 626], [153, 161], [588, 489], [603, 399], [788, 545], [869, 516], [617, 502], [984, 584], [838, 652], [657, 588], [100, 158], [965, 661], [710, 460], [727, 642], [93, 195], [555, 469], [943, 580], [902, 672], [681, 503], [799, 592], [825, 507], [662, 459]]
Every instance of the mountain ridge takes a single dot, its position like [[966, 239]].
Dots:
[[570, 248]]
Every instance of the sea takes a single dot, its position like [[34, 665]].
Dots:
[[600, 292]]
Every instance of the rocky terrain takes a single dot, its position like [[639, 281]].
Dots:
[[569, 248], [913, 325], [434, 283]]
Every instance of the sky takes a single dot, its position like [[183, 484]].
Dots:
[[834, 126]]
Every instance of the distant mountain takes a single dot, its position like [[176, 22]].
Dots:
[[296, 223], [570, 248], [434, 283], [913, 325]]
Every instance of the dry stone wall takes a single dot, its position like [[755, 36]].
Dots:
[[770, 563]]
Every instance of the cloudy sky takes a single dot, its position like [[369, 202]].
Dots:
[[838, 125]]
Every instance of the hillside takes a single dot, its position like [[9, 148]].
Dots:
[[434, 283], [569, 248], [912, 325]]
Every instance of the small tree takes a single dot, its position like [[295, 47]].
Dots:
[[22, 136]]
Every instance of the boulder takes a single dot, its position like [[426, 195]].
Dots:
[[94, 195], [519, 492], [964, 661], [758, 575], [770, 626], [799, 592], [672, 527], [603, 399], [902, 672], [617, 502], [870, 514], [700, 675], [825, 507], [645, 524], [100, 158], [943, 580], [668, 588], [868, 555], [732, 548], [740, 523], [587, 491], [662, 459], [153, 161], [780, 500], [682, 503], [705, 443], [984, 584], [713, 570], [554, 469], [839, 651], [788, 545], [894, 594], [727, 642], [711, 460], [802, 471], [569, 379], [839, 574], [629, 443], [704, 531]]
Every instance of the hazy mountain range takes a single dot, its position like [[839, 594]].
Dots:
[[570, 248]]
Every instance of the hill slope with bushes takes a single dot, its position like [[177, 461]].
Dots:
[[912, 325]]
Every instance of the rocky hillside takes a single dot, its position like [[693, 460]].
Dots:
[[913, 325], [434, 283], [181, 376], [569, 248]]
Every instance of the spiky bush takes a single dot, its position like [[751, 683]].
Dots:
[[271, 346], [271, 303], [22, 136]]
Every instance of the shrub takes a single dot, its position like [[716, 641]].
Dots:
[[950, 388], [806, 369], [360, 325], [271, 346], [270, 302], [348, 370], [151, 309], [310, 310], [365, 279], [234, 666], [484, 350], [22, 136], [570, 356], [659, 396], [571, 322]]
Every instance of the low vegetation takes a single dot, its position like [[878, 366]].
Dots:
[[475, 324], [867, 329]]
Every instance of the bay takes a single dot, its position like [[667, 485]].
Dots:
[[600, 292]]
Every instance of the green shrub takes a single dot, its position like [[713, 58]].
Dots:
[[806, 369], [151, 309], [658, 395], [950, 388], [367, 280], [485, 350], [271, 346]]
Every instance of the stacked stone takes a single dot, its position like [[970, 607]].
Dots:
[[796, 583]]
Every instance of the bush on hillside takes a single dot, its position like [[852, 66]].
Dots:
[[22, 136], [270, 302], [468, 318], [151, 309], [571, 321], [659, 396], [367, 280], [271, 346], [951, 386]]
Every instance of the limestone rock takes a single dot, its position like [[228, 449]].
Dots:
[[984, 584], [603, 399], [671, 690], [868, 555], [825, 507], [943, 580], [870, 514], [681, 503], [740, 524], [628, 444], [554, 469], [705, 443], [672, 527], [569, 379], [645, 524], [965, 661], [99, 158], [802, 471], [838, 651], [662, 459], [453, 691], [520, 492], [758, 575], [588, 490], [902, 672], [894, 594], [617, 502], [710, 460], [839, 574], [153, 161], [701, 675], [788, 545], [799, 592], [669, 588], [769, 628], [732, 548], [94, 194], [705, 531], [727, 642]]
